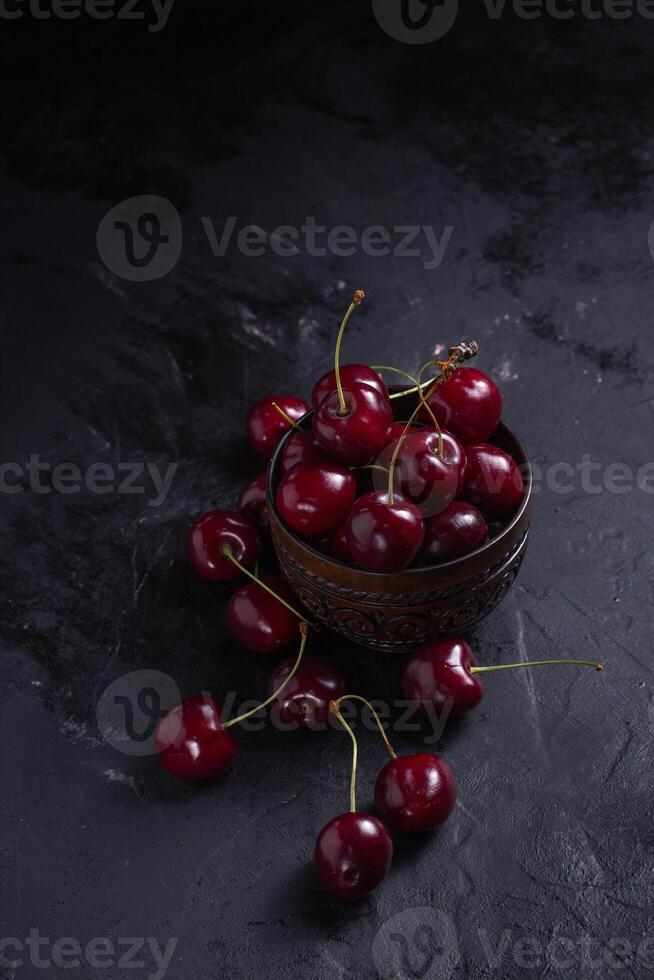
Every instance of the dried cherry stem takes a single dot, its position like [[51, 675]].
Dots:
[[357, 300], [456, 356], [228, 553], [333, 707], [357, 697], [286, 416], [304, 629], [536, 663]]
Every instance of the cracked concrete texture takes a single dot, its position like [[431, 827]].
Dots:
[[533, 140]]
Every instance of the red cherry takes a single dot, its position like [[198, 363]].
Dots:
[[493, 482], [253, 504], [357, 434], [397, 430], [469, 405], [415, 792], [455, 532], [359, 373], [301, 447], [439, 674], [265, 426], [304, 702], [259, 621], [353, 854], [211, 533], [421, 474], [339, 546], [192, 742], [315, 498], [384, 535]]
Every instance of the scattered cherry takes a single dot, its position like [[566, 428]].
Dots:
[[252, 502], [304, 702], [493, 482], [208, 537], [265, 424], [353, 854], [301, 447], [259, 621], [314, 498], [357, 373], [455, 532], [415, 792], [469, 405], [384, 531], [444, 674], [192, 741]]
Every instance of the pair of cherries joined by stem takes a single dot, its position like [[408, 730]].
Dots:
[[444, 675], [354, 850], [194, 742]]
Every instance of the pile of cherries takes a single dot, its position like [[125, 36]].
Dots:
[[444, 485]]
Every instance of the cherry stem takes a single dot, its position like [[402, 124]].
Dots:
[[334, 705], [405, 374], [304, 629], [357, 300], [391, 469], [370, 466], [228, 553], [535, 663], [285, 416]]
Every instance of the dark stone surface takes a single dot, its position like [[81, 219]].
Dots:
[[533, 139]]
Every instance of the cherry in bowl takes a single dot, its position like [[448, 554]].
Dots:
[[266, 424]]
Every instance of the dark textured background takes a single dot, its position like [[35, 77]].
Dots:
[[535, 141]]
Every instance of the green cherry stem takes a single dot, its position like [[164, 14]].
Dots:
[[304, 629], [333, 707], [405, 374], [285, 416], [357, 300], [228, 553], [535, 663], [391, 468], [357, 697]]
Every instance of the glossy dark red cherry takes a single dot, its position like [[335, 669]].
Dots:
[[339, 546], [415, 792], [384, 535], [304, 702], [424, 476], [397, 430], [468, 405], [192, 742], [359, 373], [493, 482], [455, 532], [314, 498], [361, 431], [353, 854], [259, 621], [252, 502], [265, 426], [438, 674], [301, 447], [211, 533]]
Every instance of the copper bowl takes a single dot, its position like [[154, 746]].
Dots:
[[397, 612]]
